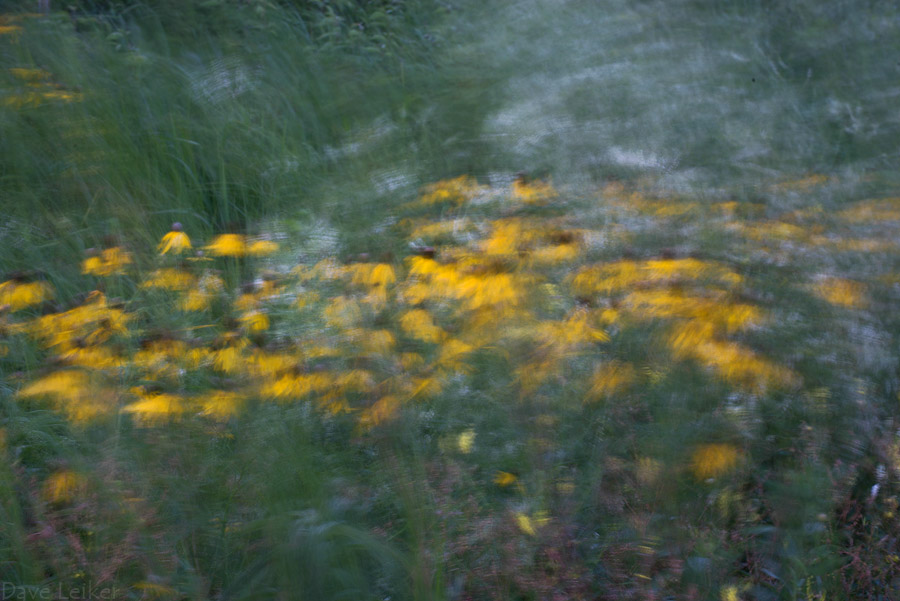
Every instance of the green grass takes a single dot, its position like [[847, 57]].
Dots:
[[316, 125]]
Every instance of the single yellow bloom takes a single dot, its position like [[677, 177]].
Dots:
[[525, 524], [92, 266], [729, 593], [228, 245], [419, 325], [111, 261], [381, 411], [175, 241], [711, 460], [841, 292], [504, 479], [611, 378], [262, 247], [221, 405], [411, 361], [532, 191], [255, 321], [169, 279], [155, 407], [466, 441], [63, 486], [29, 74], [20, 295]]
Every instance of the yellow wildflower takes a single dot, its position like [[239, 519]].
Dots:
[[575, 331], [71, 392], [356, 380], [342, 312], [228, 245], [111, 261], [465, 441], [160, 358], [254, 321], [524, 523], [375, 342], [220, 405], [261, 248], [196, 300], [802, 184], [504, 240], [611, 378], [372, 274], [712, 460], [65, 384], [527, 524], [424, 387], [176, 241], [169, 278], [93, 322], [504, 479], [20, 295], [295, 386], [841, 292], [873, 211], [29, 74], [532, 191], [418, 324], [616, 277], [62, 95], [457, 190], [410, 361], [155, 407], [452, 354], [733, 362], [551, 255], [91, 357], [304, 299], [228, 358], [268, 365], [63, 486], [729, 593], [92, 266], [381, 411]]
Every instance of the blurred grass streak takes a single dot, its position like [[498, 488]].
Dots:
[[714, 165]]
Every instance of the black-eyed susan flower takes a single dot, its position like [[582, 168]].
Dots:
[[531, 191], [261, 248], [175, 241], [155, 407], [220, 405], [169, 279], [18, 294], [711, 460], [528, 524], [418, 324], [504, 479], [111, 261], [63, 486], [254, 321], [228, 245], [465, 441]]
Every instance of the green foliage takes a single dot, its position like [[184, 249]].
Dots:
[[683, 129]]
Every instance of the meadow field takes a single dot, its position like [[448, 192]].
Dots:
[[450, 300]]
